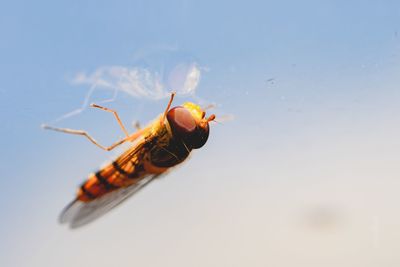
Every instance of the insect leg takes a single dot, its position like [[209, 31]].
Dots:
[[115, 115], [168, 107], [91, 139]]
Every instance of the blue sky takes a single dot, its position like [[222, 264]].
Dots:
[[306, 172]]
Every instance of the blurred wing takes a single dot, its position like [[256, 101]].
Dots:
[[79, 213]]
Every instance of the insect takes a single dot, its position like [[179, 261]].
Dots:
[[164, 143]]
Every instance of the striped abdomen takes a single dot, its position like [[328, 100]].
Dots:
[[110, 178], [153, 156]]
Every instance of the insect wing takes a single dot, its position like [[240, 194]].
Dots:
[[79, 213]]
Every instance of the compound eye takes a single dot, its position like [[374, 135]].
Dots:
[[199, 138], [181, 121]]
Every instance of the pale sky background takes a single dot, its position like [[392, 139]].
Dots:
[[306, 174]]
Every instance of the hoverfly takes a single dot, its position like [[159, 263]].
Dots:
[[164, 143]]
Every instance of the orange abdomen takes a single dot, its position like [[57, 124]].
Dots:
[[114, 176], [110, 178]]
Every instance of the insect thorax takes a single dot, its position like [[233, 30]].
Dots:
[[165, 150]]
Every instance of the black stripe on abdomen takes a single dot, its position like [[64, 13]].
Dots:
[[86, 192], [119, 169], [107, 185], [130, 175]]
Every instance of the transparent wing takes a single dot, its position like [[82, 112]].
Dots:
[[79, 213]]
